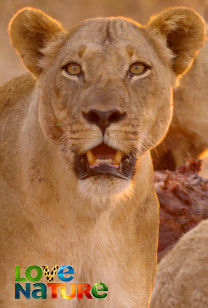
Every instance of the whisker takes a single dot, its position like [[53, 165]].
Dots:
[[63, 137]]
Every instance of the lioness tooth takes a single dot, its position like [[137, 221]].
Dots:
[[117, 158], [91, 158]]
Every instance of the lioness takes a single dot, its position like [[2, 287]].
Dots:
[[76, 173], [188, 134], [182, 276]]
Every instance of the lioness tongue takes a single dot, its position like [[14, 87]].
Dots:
[[103, 154]]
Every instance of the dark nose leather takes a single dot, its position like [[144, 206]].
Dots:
[[103, 119]]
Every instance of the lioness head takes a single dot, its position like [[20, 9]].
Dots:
[[104, 87]]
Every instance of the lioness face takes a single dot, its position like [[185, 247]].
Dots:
[[105, 98], [109, 102]]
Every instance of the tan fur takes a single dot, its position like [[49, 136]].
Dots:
[[182, 275], [188, 133], [105, 227]]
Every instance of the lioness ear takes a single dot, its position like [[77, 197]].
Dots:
[[30, 30], [184, 32]]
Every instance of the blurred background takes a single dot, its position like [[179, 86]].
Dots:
[[70, 12]]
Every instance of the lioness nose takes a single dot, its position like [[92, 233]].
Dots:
[[104, 118]]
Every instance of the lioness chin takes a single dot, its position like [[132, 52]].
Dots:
[[76, 173]]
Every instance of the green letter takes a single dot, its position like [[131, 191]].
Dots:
[[17, 274], [28, 273], [95, 290]]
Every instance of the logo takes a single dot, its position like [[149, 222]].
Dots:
[[64, 289]]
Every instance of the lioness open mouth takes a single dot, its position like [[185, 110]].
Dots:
[[104, 160]]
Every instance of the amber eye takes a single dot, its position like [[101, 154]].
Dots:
[[138, 68], [73, 69]]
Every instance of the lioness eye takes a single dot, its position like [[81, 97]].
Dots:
[[73, 69], [138, 68]]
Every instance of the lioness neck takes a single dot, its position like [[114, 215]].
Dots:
[[58, 211]]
